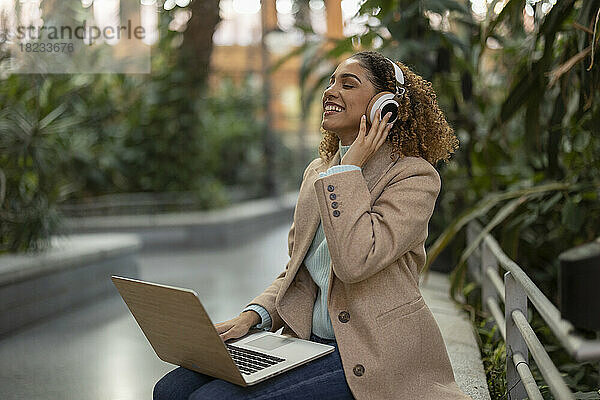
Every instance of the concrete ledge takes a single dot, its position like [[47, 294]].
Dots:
[[74, 270], [204, 229], [458, 335]]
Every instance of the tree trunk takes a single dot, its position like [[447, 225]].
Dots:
[[197, 46]]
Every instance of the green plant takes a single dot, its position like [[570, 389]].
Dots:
[[523, 99], [73, 137], [493, 350], [35, 146]]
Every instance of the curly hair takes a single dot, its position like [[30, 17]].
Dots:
[[421, 129]]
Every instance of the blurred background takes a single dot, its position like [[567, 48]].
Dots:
[[231, 111]]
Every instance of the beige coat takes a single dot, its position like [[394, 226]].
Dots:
[[389, 342]]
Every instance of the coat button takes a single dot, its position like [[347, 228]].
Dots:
[[330, 188], [336, 213], [358, 370], [344, 316], [334, 204], [332, 196]]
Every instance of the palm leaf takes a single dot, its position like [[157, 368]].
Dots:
[[52, 115], [519, 197], [457, 277], [481, 208]]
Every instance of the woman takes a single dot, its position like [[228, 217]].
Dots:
[[356, 248]]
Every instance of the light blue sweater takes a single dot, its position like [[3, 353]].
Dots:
[[317, 261]]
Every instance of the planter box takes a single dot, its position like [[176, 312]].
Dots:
[[201, 229], [74, 270]]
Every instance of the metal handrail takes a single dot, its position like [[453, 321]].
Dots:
[[549, 371], [494, 308], [514, 328], [525, 373], [579, 348], [496, 281]]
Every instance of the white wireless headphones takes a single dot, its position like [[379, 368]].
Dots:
[[385, 101]]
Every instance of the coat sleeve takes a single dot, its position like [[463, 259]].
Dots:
[[364, 239], [265, 318], [267, 298]]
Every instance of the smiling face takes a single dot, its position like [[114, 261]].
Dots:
[[345, 100]]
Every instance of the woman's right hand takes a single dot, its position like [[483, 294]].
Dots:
[[238, 326]]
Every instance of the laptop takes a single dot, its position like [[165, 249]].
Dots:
[[181, 333]]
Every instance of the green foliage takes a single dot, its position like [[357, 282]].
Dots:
[[35, 147], [524, 104], [532, 199], [71, 137], [493, 352], [232, 144]]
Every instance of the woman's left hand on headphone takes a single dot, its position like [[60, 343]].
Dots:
[[365, 145]]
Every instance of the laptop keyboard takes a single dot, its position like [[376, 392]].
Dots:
[[249, 361]]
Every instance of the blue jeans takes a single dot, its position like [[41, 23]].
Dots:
[[321, 379]]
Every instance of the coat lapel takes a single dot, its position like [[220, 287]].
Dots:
[[307, 215]]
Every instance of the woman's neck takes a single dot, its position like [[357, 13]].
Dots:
[[347, 140]]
